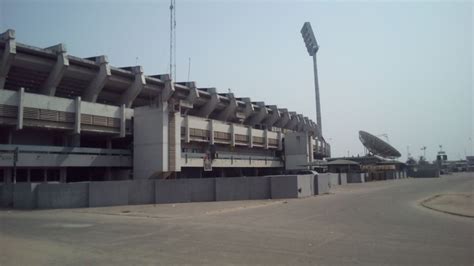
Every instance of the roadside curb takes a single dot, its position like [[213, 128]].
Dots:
[[425, 201]]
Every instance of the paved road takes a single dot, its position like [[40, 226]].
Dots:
[[371, 224]]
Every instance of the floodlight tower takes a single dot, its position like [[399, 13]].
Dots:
[[313, 47]]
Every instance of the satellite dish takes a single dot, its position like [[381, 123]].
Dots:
[[378, 146]]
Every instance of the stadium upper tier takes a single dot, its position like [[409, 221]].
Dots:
[[53, 72]]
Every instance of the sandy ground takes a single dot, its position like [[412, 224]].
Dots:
[[378, 223], [458, 204]]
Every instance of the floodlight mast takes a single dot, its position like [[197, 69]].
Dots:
[[313, 47]]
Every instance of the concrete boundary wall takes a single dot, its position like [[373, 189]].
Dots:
[[112, 193], [55, 196], [234, 188], [259, 187], [6, 195], [108, 193], [322, 184], [284, 186], [141, 192], [25, 196]]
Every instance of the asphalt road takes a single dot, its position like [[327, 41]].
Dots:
[[374, 223]]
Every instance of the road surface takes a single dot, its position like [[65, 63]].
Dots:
[[374, 223]]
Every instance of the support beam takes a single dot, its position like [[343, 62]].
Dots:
[[21, 103], [135, 88], [284, 118], [188, 102], [62, 63], [207, 109], [229, 111], [91, 93], [169, 89], [301, 123], [274, 117], [248, 111], [260, 115], [8, 56], [294, 120]]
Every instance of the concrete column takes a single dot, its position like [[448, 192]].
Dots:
[[28, 175], [211, 131], [123, 120], [77, 125], [21, 100], [250, 136], [108, 174], [45, 175], [10, 136], [265, 135], [186, 133], [280, 142], [7, 175], [232, 135], [63, 175]]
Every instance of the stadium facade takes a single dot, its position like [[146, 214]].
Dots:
[[65, 118]]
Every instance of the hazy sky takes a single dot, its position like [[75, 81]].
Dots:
[[400, 68]]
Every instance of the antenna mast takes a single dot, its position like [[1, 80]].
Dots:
[[173, 39]]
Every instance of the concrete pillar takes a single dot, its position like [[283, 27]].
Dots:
[[63, 175], [10, 136], [73, 140], [265, 136], [250, 136], [21, 99], [108, 174], [7, 175], [77, 125], [28, 175], [45, 175], [123, 120], [232, 135], [211, 132], [186, 132]]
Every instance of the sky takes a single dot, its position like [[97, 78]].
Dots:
[[404, 69]]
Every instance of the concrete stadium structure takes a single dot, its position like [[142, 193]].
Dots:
[[67, 119]]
